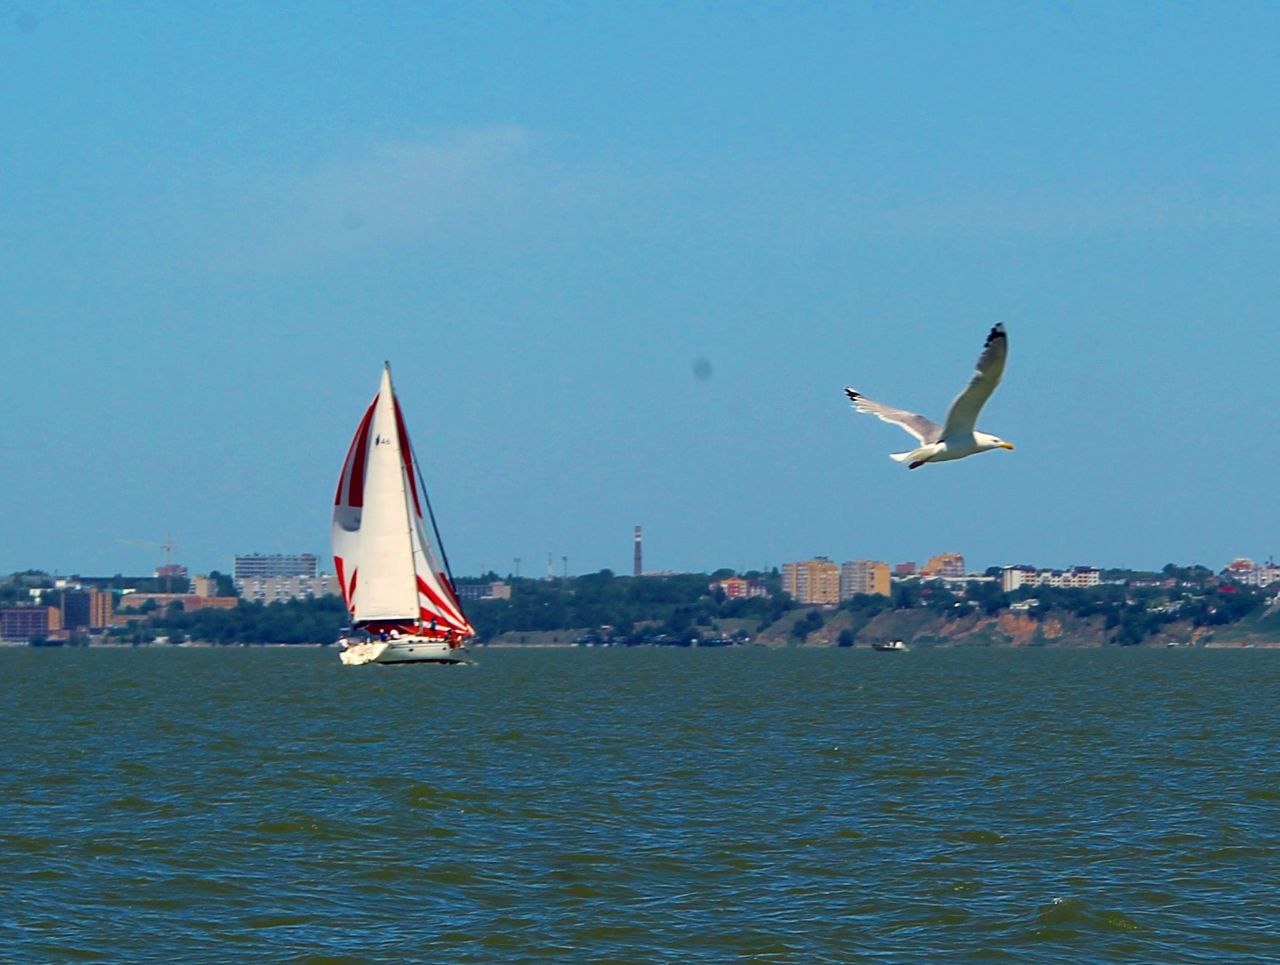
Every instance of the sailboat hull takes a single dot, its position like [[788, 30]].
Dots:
[[403, 650]]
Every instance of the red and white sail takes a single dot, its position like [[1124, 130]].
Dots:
[[387, 566]]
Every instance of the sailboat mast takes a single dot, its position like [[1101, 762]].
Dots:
[[404, 491]]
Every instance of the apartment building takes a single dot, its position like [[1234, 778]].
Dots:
[[497, 590], [815, 581], [86, 609], [273, 589], [20, 624], [944, 564], [1077, 577], [740, 588], [864, 576], [1251, 574], [255, 565]]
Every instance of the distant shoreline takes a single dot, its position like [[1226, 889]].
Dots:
[[562, 645]]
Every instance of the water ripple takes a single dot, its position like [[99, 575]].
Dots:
[[648, 805]]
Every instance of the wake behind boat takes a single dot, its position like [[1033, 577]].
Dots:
[[389, 565]]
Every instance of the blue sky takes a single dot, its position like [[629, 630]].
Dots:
[[623, 259]]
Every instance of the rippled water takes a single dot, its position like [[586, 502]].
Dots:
[[645, 805]]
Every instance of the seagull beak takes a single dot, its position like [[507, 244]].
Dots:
[[1006, 445]]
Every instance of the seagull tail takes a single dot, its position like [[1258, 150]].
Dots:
[[915, 455]]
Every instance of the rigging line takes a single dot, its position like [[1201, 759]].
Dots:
[[431, 514]]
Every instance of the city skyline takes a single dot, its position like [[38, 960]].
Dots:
[[623, 261], [948, 563]]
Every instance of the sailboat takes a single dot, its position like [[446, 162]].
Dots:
[[390, 564]]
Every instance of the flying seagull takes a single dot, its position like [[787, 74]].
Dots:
[[958, 438]]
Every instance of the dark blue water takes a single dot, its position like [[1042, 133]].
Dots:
[[648, 805]]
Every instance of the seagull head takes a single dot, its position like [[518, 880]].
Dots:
[[986, 440]]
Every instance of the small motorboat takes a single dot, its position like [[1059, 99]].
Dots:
[[889, 645]]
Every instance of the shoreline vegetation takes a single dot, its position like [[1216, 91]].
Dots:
[[553, 642], [1176, 607]]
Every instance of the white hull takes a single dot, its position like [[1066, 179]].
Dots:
[[402, 650], [890, 645]]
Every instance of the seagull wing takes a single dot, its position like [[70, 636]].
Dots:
[[963, 415], [923, 429]]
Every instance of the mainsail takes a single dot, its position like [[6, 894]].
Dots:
[[387, 565]]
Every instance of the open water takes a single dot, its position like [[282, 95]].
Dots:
[[640, 806]]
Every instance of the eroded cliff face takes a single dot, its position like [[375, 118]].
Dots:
[[940, 628], [931, 628], [1022, 630]]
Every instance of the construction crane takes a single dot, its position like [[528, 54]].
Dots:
[[168, 548]]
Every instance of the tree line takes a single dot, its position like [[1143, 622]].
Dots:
[[682, 608]]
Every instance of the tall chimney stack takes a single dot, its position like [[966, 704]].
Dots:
[[639, 568]]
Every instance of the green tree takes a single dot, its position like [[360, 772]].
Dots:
[[811, 622], [905, 595], [987, 596], [224, 582]]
